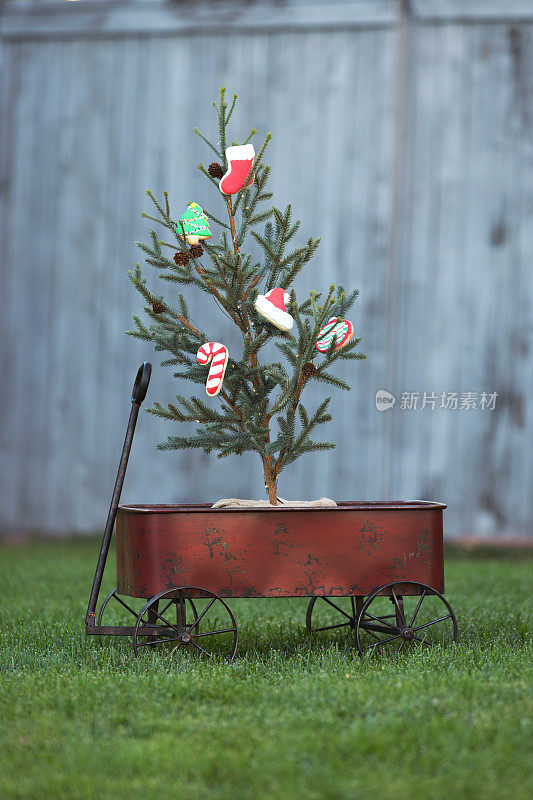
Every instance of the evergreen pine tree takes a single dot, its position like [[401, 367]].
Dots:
[[259, 407]]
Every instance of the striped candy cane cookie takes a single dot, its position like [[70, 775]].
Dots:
[[219, 353], [336, 327]]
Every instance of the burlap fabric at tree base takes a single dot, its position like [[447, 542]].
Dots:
[[235, 502]]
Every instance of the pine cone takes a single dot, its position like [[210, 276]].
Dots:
[[181, 259], [215, 170], [158, 307], [196, 250], [308, 370]]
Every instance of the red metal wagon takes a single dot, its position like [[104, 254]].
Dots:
[[372, 570]]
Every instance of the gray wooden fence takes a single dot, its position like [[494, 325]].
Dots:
[[402, 134]]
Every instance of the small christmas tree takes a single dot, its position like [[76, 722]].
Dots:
[[258, 402]]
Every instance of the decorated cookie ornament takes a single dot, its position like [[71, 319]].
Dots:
[[219, 355], [240, 159], [271, 306], [336, 328], [195, 224]]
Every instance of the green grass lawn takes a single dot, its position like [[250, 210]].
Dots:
[[292, 717]]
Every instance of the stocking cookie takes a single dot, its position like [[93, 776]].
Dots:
[[240, 159], [336, 328]]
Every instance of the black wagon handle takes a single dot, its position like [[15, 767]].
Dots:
[[138, 394], [140, 387]]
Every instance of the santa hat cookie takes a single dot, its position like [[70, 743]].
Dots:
[[271, 306], [195, 224], [240, 159]]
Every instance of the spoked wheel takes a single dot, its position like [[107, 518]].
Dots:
[[166, 622], [337, 614], [404, 615], [123, 605]]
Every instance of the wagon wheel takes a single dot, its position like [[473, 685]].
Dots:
[[169, 626], [422, 618], [114, 596], [332, 613]]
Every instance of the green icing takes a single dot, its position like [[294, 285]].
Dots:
[[195, 222]]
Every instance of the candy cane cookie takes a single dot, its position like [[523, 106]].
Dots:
[[219, 353], [338, 328]]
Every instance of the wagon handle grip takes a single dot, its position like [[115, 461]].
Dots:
[[140, 387], [137, 396]]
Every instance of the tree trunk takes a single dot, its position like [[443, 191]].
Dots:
[[270, 481]]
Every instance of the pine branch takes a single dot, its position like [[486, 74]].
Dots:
[[210, 144], [230, 112], [250, 287], [332, 380], [222, 122], [216, 219], [142, 332], [250, 135], [203, 170], [188, 325]]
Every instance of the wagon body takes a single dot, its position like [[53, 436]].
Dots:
[[377, 567], [348, 550]]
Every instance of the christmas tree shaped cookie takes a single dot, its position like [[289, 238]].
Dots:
[[195, 224]]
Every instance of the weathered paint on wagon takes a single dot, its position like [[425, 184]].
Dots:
[[349, 550]]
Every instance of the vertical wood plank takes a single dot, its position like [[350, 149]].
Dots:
[[86, 125]]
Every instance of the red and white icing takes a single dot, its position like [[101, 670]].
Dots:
[[218, 353], [272, 306], [338, 328], [240, 159]]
